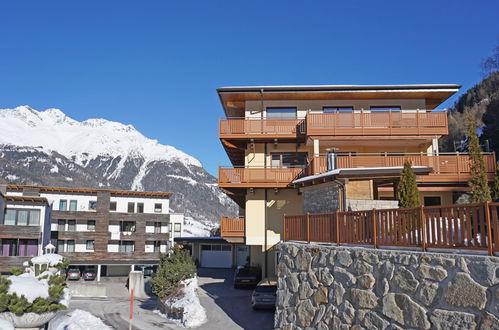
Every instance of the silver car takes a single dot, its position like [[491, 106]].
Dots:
[[264, 295]]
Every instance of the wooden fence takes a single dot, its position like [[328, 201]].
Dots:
[[456, 227]]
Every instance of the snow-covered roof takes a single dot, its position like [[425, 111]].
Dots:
[[285, 88], [52, 259], [354, 172]]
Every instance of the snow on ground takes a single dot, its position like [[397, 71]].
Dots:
[[195, 228], [77, 320], [194, 313], [29, 286], [6, 325], [53, 259]]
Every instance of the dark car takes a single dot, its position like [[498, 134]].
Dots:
[[73, 274], [247, 277], [89, 275], [265, 294]]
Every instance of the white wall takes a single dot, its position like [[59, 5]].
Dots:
[[113, 247], [79, 247], [122, 203]]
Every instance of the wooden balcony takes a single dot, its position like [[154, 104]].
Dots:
[[446, 167], [261, 128], [256, 177], [377, 123], [232, 229]]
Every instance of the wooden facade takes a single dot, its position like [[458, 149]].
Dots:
[[232, 227]]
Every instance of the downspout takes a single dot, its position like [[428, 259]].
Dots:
[[342, 196]]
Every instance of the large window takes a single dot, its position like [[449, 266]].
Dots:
[[10, 247], [61, 225], [127, 226], [126, 246], [281, 113], [22, 217], [177, 230], [386, 108], [70, 246], [337, 109], [91, 225], [131, 207], [112, 206], [92, 205], [71, 225], [63, 205], [157, 227], [140, 207], [287, 160], [73, 205], [90, 245], [60, 245], [158, 207]]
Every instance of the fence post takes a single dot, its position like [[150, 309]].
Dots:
[[375, 232], [489, 228], [422, 221], [337, 228], [308, 227]]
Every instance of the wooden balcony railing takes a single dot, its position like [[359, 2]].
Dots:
[[232, 227], [455, 227], [271, 128], [369, 122], [446, 167], [257, 176]]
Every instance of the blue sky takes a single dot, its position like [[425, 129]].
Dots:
[[156, 64]]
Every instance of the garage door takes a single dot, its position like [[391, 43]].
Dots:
[[216, 255]]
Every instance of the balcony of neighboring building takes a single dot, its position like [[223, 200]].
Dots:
[[257, 128], [446, 167], [257, 177], [232, 229]]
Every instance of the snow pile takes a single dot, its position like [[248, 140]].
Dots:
[[6, 325], [66, 297], [77, 320], [194, 314], [28, 286], [52, 259]]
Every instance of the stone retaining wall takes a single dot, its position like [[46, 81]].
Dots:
[[329, 287]]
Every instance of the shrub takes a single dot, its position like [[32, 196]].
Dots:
[[407, 192], [171, 271]]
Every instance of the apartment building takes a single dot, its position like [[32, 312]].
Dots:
[[298, 149], [24, 228], [109, 230]]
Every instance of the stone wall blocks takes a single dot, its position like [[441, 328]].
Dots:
[[343, 258], [402, 259], [303, 260], [312, 279], [343, 276], [463, 291], [427, 292], [320, 296], [305, 313], [435, 273], [361, 267], [373, 321], [490, 322], [292, 282], [485, 272], [347, 312], [463, 266], [305, 290], [402, 309], [364, 298], [366, 281], [405, 280], [336, 293], [444, 319]]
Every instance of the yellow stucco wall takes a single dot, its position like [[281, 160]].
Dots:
[[359, 190]]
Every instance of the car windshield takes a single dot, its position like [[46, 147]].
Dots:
[[266, 289]]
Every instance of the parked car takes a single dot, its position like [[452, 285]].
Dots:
[[264, 295], [89, 275], [247, 276], [74, 274]]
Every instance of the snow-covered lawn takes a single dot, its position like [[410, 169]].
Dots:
[[194, 314], [6, 325], [77, 320]]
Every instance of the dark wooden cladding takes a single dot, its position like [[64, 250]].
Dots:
[[30, 232], [454, 227], [101, 236], [7, 263]]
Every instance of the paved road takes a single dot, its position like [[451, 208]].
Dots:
[[226, 307]]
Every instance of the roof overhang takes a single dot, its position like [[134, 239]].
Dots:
[[363, 173], [233, 98]]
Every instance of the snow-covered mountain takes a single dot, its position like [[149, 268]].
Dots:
[[49, 148]]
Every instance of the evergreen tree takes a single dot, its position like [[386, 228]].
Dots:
[[480, 191], [407, 190], [496, 185]]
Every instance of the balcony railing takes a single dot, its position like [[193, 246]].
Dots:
[[454, 227], [272, 128], [232, 227], [447, 167], [372, 122], [257, 176]]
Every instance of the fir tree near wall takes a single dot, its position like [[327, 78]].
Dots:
[[407, 190], [480, 190]]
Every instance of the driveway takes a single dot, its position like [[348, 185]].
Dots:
[[226, 307]]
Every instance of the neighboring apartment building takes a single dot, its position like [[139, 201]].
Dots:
[[24, 228], [110, 230], [298, 149]]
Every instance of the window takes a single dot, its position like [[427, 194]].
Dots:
[[61, 225], [70, 246], [60, 245], [90, 244], [23, 217], [112, 206], [28, 247], [281, 113], [157, 246], [432, 201], [226, 248], [337, 109], [386, 108], [63, 205], [287, 160], [8, 247], [71, 225], [206, 247], [157, 227], [127, 226], [131, 207], [126, 246], [158, 207], [140, 207], [92, 205], [73, 205], [91, 225]]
